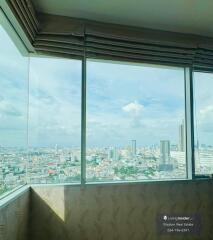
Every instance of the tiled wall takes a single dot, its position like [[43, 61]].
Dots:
[[118, 212], [14, 218]]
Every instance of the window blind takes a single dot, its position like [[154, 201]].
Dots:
[[119, 42], [61, 36], [25, 14], [76, 38]]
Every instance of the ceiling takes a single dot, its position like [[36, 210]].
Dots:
[[186, 16]]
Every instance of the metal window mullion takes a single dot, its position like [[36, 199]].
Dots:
[[83, 122], [28, 121], [189, 120]]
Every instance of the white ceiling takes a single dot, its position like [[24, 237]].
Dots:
[[187, 16]]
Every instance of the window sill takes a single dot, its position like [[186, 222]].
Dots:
[[7, 198]]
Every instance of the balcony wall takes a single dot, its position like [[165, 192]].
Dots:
[[119, 212], [14, 215]]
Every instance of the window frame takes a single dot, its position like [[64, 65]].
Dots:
[[17, 40], [188, 89], [21, 47], [189, 108], [34, 55], [198, 70]]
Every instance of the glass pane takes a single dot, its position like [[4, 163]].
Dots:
[[203, 117], [13, 114], [54, 120], [135, 122]]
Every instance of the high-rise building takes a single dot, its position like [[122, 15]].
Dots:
[[181, 142], [56, 148], [115, 154], [165, 158], [134, 149], [165, 151], [112, 154], [198, 145]]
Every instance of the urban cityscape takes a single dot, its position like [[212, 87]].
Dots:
[[130, 163]]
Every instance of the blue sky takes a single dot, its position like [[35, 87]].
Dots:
[[127, 101], [203, 86], [55, 102], [13, 94], [124, 101]]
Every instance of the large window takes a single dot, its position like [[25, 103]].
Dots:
[[135, 122], [13, 114], [203, 127], [54, 120]]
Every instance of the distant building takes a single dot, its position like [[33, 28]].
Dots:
[[198, 145], [56, 148], [203, 145], [112, 154], [165, 157], [134, 149], [165, 151], [181, 142], [115, 154]]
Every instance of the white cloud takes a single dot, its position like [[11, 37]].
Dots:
[[133, 108], [205, 117], [206, 110]]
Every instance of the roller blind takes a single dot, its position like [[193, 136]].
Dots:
[[24, 12], [204, 57], [118, 42], [75, 38], [60, 36], [67, 37]]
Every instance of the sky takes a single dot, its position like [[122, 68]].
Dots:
[[13, 93], [133, 102], [124, 102], [203, 85], [55, 102]]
